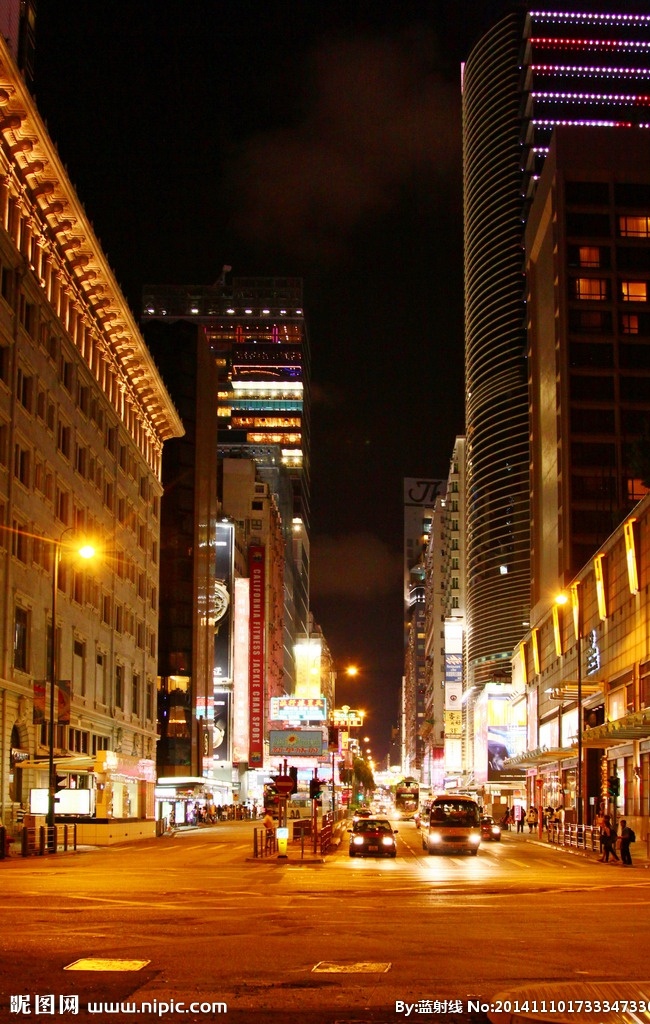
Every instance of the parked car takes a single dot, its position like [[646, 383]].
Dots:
[[372, 836], [490, 830]]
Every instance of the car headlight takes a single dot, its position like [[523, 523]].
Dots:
[[496, 831], [357, 840], [388, 841], [475, 838], [435, 837]]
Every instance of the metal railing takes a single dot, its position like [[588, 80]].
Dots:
[[265, 842], [579, 837], [28, 842]]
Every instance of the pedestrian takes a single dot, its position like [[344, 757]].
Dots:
[[609, 840], [627, 837], [531, 818], [505, 821], [269, 825], [600, 825]]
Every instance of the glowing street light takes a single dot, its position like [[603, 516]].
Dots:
[[87, 551]]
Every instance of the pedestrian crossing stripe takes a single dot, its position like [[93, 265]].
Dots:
[[98, 963]]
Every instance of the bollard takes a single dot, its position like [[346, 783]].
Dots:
[[3, 843], [65, 838], [41, 840]]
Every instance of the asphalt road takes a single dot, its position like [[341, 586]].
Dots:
[[285, 942]]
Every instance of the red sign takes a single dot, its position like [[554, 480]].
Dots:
[[256, 657], [283, 783]]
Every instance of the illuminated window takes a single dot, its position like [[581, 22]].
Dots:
[[634, 291], [634, 227], [592, 289], [589, 256], [630, 323]]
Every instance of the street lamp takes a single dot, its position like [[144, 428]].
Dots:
[[576, 606], [85, 551]]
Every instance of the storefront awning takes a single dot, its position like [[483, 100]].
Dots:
[[635, 726], [71, 763], [542, 755]]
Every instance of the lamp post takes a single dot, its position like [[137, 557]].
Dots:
[[86, 551]]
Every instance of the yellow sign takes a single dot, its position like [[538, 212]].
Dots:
[[453, 723]]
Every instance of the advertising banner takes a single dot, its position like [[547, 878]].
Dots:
[[39, 702], [295, 743], [256, 658], [298, 709], [221, 730], [240, 697], [224, 556], [64, 702]]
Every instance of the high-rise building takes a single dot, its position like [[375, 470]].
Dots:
[[257, 332], [188, 600], [528, 73], [588, 275]]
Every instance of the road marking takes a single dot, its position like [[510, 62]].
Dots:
[[363, 967], [98, 963]]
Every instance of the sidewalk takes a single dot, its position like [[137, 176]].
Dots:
[[639, 850]]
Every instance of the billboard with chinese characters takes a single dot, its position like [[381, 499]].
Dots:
[[298, 709], [295, 743]]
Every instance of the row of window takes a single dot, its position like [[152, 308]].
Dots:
[[598, 289], [76, 741], [599, 257], [35, 401], [68, 305], [604, 356], [599, 321], [99, 688]]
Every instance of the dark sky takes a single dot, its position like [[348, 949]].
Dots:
[[315, 139]]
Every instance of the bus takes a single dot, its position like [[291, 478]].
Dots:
[[453, 825], [407, 799]]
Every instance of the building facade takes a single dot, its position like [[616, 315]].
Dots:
[[585, 666], [257, 332], [588, 275], [528, 74], [83, 418]]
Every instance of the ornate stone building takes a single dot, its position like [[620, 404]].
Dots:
[[83, 418]]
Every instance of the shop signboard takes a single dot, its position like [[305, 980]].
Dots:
[[295, 743]]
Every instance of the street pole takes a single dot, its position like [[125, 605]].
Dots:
[[579, 779], [51, 835]]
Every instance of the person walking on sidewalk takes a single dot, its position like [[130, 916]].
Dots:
[[609, 840], [627, 837], [531, 819]]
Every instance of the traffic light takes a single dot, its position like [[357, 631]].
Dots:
[[315, 789], [614, 785], [62, 782], [293, 772]]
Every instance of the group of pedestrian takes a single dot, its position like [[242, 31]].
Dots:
[[610, 838]]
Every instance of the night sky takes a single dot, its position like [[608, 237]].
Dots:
[[315, 139]]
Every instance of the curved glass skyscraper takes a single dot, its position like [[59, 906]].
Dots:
[[531, 71], [498, 521]]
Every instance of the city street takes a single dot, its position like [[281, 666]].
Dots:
[[340, 940]]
